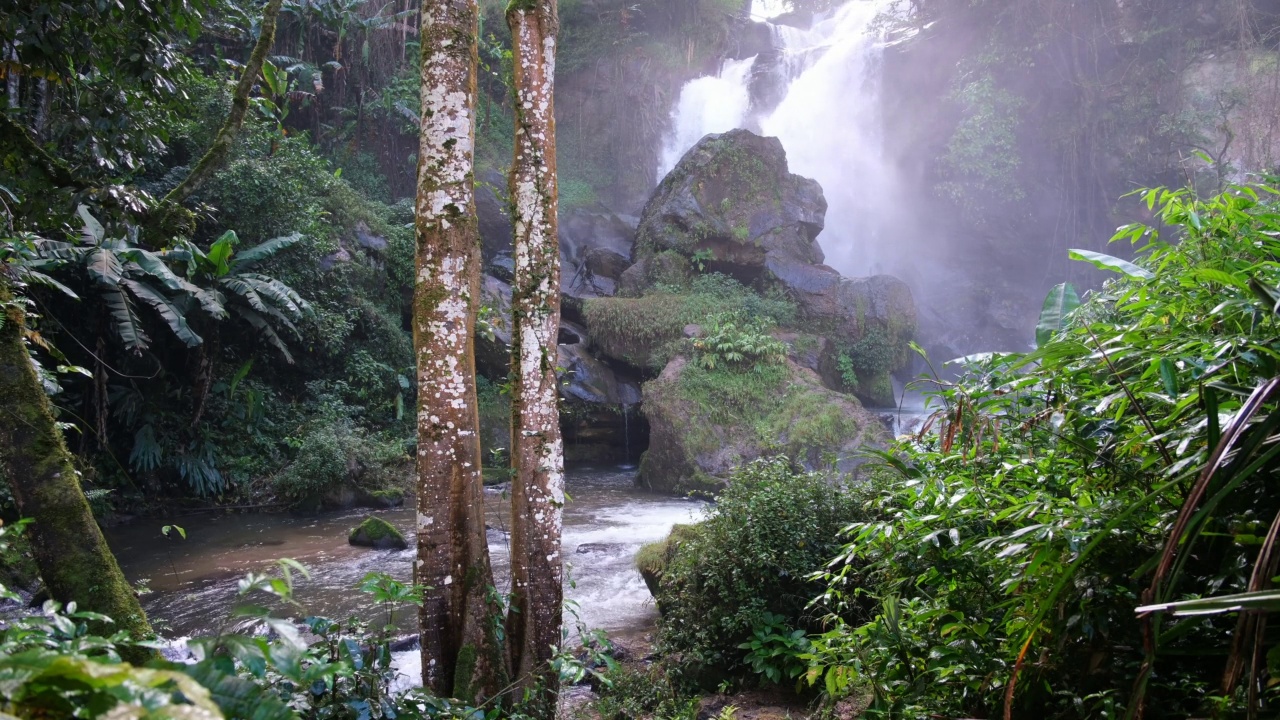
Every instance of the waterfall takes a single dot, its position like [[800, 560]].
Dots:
[[709, 104], [830, 123]]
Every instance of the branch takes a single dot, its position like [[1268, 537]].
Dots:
[[217, 154]]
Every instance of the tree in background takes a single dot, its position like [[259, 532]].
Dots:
[[459, 620], [537, 489]]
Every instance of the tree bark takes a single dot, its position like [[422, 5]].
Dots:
[[460, 618], [73, 557], [537, 495]]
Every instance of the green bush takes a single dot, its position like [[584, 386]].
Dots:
[[751, 557], [334, 453], [1021, 534]]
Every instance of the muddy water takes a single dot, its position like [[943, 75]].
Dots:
[[194, 581]]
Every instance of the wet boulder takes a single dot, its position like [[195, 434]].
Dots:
[[374, 532], [496, 230], [870, 320], [705, 423], [731, 204]]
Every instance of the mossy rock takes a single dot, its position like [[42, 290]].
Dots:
[[386, 498], [703, 424], [374, 532], [652, 558], [732, 202]]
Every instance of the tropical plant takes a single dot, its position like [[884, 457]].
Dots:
[[731, 341], [228, 278], [1038, 506]]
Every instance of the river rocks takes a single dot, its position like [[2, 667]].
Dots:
[[732, 204], [704, 424], [374, 532]]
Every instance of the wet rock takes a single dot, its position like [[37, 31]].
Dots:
[[377, 533], [606, 263], [582, 231], [732, 202], [496, 230], [502, 267], [589, 548], [367, 240]]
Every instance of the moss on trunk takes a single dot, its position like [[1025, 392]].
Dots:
[[73, 557]]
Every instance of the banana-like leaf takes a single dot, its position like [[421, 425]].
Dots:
[[169, 312], [93, 232], [151, 264], [1260, 600], [1061, 301], [237, 697], [239, 287], [35, 277], [219, 255], [278, 293], [264, 251], [104, 266], [1103, 261], [260, 324], [125, 316]]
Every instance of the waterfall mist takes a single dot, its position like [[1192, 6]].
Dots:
[[831, 124]]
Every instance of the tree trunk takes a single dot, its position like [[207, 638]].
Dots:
[[73, 557], [537, 488], [217, 153], [460, 619]]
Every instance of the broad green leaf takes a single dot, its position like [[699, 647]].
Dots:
[[264, 251], [1103, 261], [1061, 301], [1221, 277], [1169, 376], [127, 323], [219, 255], [93, 231], [103, 265], [170, 313]]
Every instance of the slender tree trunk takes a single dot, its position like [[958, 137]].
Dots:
[[74, 560], [459, 622], [217, 153], [537, 494]]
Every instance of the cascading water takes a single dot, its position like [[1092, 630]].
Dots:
[[710, 104], [830, 123]]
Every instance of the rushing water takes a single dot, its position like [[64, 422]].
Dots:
[[710, 104], [829, 121], [194, 581]]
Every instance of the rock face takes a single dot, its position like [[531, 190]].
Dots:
[[378, 534], [703, 425], [732, 202]]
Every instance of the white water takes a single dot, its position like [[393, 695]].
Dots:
[[709, 104], [831, 125]]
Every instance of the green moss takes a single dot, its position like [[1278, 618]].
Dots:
[[377, 533], [464, 672], [646, 331]]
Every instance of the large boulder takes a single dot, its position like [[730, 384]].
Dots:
[[704, 424], [732, 204], [869, 320]]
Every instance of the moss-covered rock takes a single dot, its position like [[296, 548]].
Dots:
[[730, 203], [705, 423], [374, 532], [652, 558]]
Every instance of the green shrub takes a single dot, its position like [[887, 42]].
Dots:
[[753, 555], [334, 453]]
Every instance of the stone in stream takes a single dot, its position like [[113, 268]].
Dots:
[[377, 533]]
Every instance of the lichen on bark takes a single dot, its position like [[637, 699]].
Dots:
[[459, 618], [537, 489]]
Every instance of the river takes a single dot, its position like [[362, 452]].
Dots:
[[194, 581]]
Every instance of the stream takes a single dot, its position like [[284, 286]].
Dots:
[[194, 581]]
